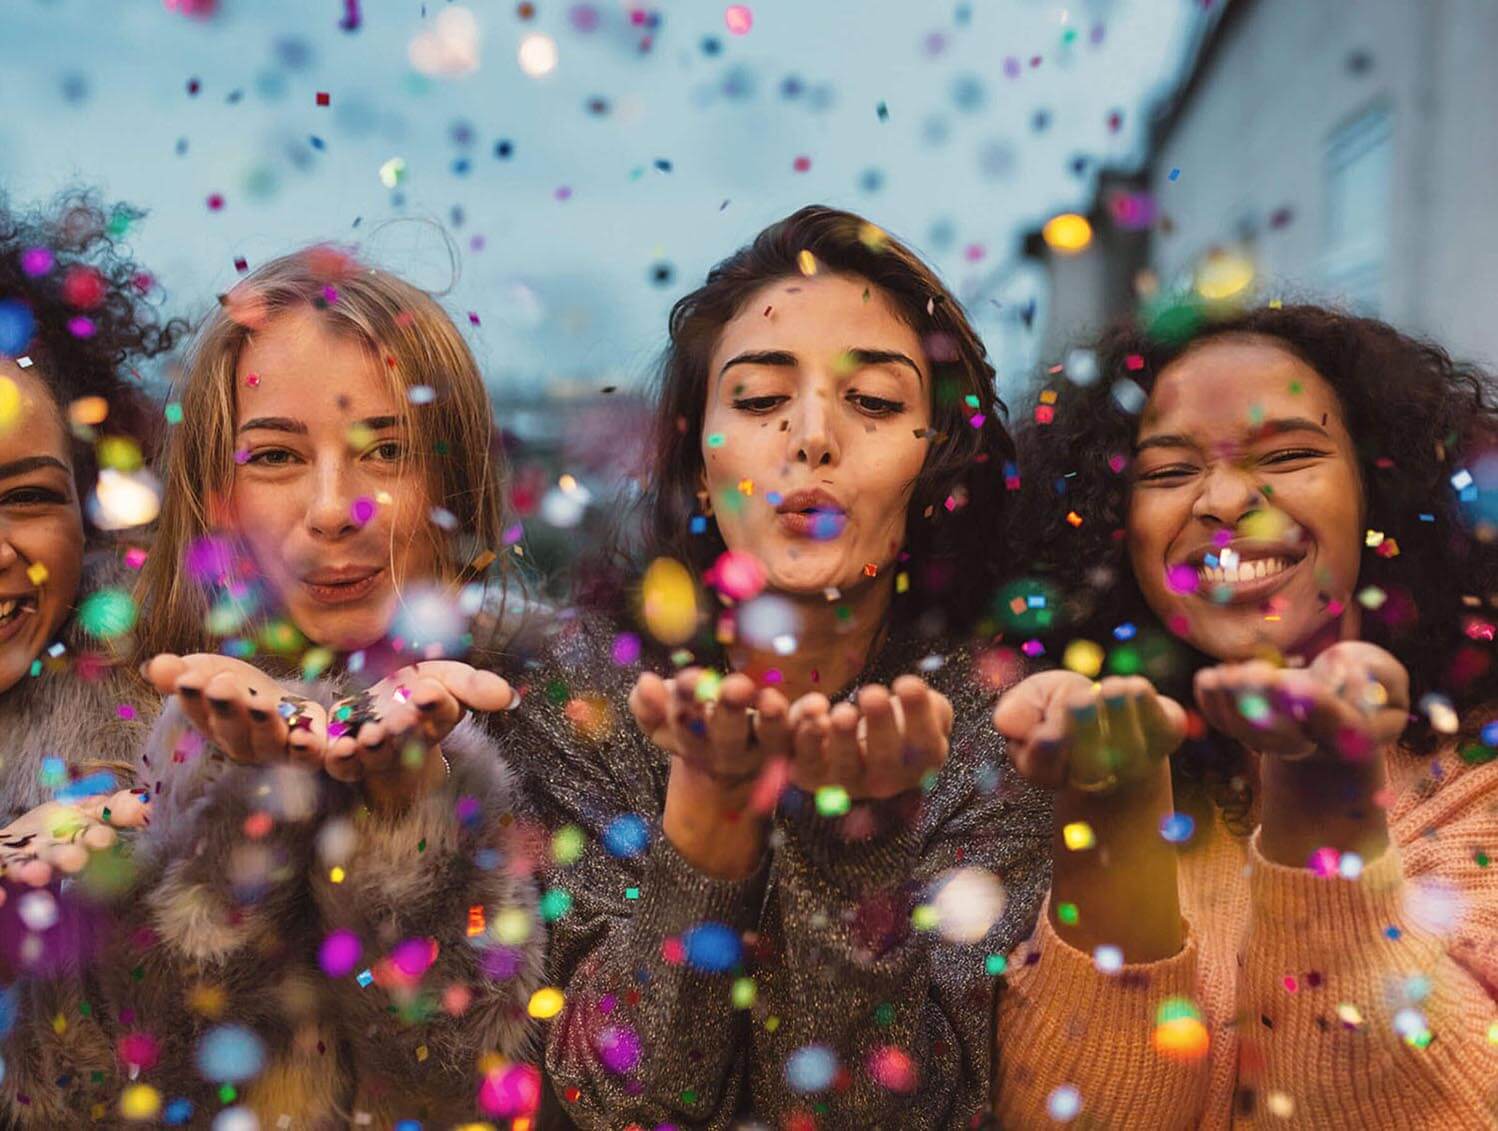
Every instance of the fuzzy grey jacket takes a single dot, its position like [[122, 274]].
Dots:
[[232, 900], [699, 1002]]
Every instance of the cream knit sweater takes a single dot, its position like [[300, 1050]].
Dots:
[[1329, 1002]]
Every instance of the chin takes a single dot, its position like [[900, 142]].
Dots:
[[1233, 639]]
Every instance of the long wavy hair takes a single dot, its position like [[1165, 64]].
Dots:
[[955, 518], [415, 344], [1418, 419]]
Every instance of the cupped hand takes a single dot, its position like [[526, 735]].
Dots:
[[882, 744], [1351, 701], [389, 737], [720, 731], [59, 837], [1065, 730], [240, 709]]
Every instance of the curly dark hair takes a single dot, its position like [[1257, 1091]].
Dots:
[[971, 445], [92, 309], [1417, 419]]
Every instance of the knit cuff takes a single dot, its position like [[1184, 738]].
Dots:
[[1306, 913], [875, 845], [674, 895]]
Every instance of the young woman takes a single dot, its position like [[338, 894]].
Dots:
[[369, 947], [1296, 926], [74, 311], [827, 455]]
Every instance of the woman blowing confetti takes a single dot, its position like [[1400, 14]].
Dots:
[[1292, 921], [737, 869], [333, 922]]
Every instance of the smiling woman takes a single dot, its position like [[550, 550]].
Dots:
[[1286, 491]]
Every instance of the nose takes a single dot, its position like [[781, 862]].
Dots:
[[812, 434], [330, 509], [1228, 494]]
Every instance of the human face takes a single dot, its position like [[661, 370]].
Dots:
[[325, 497], [1246, 511], [814, 432], [41, 525]]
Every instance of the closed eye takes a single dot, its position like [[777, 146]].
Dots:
[[33, 496], [876, 406], [759, 404], [1168, 473], [1290, 455]]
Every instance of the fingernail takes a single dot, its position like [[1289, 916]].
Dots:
[[259, 714], [189, 692], [219, 706]]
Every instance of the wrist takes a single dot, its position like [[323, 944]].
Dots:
[[1323, 801], [711, 825]]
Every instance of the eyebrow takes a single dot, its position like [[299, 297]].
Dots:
[[296, 427], [31, 463], [1268, 428], [863, 357]]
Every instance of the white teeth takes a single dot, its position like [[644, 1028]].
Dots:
[[1234, 571], [13, 608]]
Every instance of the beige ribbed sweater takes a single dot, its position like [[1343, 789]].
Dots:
[[1299, 980]]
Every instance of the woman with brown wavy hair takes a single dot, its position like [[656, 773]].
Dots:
[[1289, 918], [734, 930]]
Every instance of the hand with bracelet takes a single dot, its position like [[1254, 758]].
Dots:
[[721, 735], [1105, 747]]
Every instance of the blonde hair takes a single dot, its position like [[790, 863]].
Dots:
[[416, 343]]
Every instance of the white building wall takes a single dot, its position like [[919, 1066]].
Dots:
[[1252, 140]]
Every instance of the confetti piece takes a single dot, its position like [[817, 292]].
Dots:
[[833, 801], [811, 1068], [1078, 836], [1179, 1033], [230, 1053], [139, 1102], [669, 601], [545, 1003], [967, 905]]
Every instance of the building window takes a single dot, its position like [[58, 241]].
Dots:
[[1359, 183]]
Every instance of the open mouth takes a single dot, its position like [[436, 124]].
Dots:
[[14, 613]]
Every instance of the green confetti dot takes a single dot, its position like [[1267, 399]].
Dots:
[[833, 801], [555, 903], [995, 964], [227, 1093], [107, 613], [884, 1015], [924, 917], [1067, 913], [715, 440], [421, 845], [744, 993], [567, 844], [689, 1097], [174, 413], [631, 893], [1483, 859]]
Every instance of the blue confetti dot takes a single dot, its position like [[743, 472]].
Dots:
[[627, 835], [16, 327], [230, 1053], [712, 947], [810, 1069], [1490, 734], [1177, 828], [177, 1112], [1175, 174], [1125, 631], [408, 1125], [698, 525]]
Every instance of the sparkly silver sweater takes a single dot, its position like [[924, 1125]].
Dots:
[[813, 987]]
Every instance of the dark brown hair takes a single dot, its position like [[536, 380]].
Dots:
[[957, 506], [1417, 419], [90, 304]]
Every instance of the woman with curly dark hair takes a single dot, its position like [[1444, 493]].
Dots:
[[828, 460], [75, 313], [1298, 921]]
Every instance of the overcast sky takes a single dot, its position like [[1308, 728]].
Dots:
[[646, 154]]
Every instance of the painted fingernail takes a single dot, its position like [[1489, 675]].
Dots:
[[189, 692], [219, 706], [259, 714]]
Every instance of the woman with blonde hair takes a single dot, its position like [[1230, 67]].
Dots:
[[335, 881]]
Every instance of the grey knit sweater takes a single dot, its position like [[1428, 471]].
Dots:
[[803, 989]]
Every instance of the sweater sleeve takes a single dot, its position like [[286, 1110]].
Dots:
[[189, 925], [1372, 998], [1068, 1032], [432, 943], [647, 950], [875, 1006]]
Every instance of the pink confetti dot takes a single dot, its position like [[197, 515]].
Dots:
[[1181, 578], [363, 509], [36, 261], [339, 953], [216, 202], [563, 193], [626, 648], [738, 19], [81, 327], [253, 380], [801, 164]]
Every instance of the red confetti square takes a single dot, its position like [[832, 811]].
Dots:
[[324, 98]]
